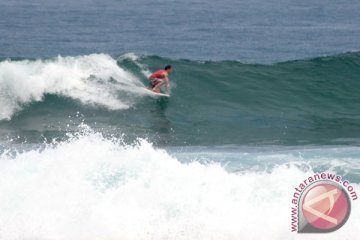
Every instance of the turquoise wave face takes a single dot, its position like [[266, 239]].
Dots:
[[313, 101], [308, 101]]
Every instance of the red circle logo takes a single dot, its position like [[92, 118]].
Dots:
[[326, 206]]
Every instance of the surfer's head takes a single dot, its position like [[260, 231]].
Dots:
[[168, 68]]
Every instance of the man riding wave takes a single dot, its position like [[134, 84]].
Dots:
[[159, 78]]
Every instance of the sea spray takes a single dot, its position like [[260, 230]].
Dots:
[[93, 79], [90, 187]]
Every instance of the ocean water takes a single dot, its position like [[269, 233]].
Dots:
[[250, 31], [264, 94]]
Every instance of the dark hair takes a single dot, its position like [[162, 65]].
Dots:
[[167, 67]]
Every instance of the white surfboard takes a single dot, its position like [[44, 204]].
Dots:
[[157, 94]]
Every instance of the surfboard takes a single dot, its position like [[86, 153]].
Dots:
[[157, 94]]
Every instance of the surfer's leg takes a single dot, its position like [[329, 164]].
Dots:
[[158, 84], [153, 82]]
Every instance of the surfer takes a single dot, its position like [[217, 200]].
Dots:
[[159, 78]]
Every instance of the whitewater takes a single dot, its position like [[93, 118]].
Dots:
[[264, 94], [87, 153], [91, 187], [93, 79]]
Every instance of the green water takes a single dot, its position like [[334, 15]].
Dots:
[[314, 101]]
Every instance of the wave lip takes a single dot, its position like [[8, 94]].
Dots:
[[94, 79]]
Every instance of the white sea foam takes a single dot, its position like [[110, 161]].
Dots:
[[93, 188], [94, 79]]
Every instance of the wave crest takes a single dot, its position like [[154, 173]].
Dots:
[[94, 79]]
